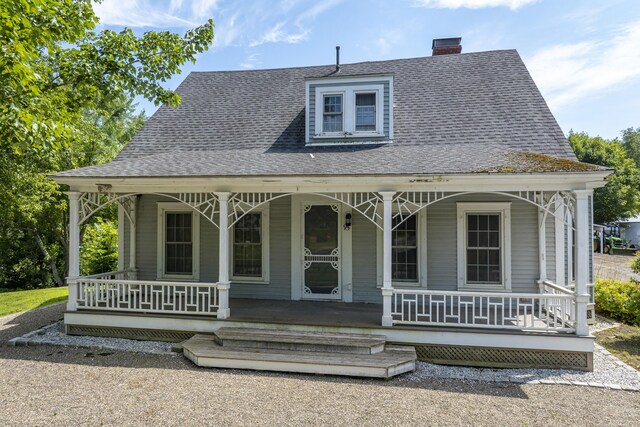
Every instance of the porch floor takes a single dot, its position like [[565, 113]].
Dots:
[[317, 313]]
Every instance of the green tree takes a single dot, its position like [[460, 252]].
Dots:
[[620, 197], [66, 94], [100, 247], [53, 65], [631, 144]]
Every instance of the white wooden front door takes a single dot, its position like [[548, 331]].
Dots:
[[321, 251]]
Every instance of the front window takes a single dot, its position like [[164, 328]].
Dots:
[[178, 243], [483, 248], [365, 111], [332, 113], [247, 246], [404, 250]]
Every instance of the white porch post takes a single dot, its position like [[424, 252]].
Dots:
[[133, 268], [223, 262], [582, 260], [74, 248], [560, 217], [387, 285], [542, 243]]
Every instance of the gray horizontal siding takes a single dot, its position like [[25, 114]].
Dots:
[[279, 286], [364, 257], [442, 243], [280, 249]]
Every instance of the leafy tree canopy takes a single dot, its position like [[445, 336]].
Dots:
[[66, 91], [54, 65], [620, 198], [631, 144]]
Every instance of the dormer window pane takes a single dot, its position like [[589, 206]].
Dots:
[[332, 114], [365, 111]]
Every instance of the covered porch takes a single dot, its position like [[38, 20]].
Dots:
[[548, 306]]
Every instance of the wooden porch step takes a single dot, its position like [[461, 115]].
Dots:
[[276, 339], [203, 350]]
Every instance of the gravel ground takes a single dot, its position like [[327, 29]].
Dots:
[[62, 385], [608, 371], [45, 385], [615, 267]]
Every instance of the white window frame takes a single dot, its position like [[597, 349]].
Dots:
[[264, 280], [349, 111], [504, 210], [421, 223], [175, 207]]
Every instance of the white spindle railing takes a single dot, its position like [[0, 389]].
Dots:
[[146, 296], [534, 312], [112, 275]]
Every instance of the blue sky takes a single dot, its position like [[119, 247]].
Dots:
[[583, 54]]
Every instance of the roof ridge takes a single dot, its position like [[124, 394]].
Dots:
[[307, 67]]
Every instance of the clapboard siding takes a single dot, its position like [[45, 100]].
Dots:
[[280, 249], [279, 286], [364, 260], [442, 243]]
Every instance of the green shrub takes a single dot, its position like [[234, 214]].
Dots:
[[635, 264], [100, 248], [619, 300]]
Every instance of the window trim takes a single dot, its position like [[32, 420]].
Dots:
[[502, 208], [176, 207], [349, 111], [264, 280], [421, 232], [342, 113]]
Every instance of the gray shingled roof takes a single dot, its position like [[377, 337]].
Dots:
[[466, 113]]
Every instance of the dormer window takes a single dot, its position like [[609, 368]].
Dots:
[[350, 110], [332, 120], [366, 111]]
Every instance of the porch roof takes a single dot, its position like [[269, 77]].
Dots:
[[453, 114], [362, 160]]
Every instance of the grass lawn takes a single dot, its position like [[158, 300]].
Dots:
[[623, 341], [17, 301]]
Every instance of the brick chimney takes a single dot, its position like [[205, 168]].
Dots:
[[446, 46]]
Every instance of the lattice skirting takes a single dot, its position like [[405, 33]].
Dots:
[[130, 333], [504, 358]]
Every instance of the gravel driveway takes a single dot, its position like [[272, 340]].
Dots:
[[47, 385]]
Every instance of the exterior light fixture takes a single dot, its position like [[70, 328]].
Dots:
[[347, 222]]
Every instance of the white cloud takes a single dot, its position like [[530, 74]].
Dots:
[[251, 61], [137, 13], [238, 22], [571, 72], [277, 34], [473, 4]]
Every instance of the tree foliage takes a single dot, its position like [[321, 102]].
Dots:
[[66, 92], [53, 65], [631, 144], [620, 197]]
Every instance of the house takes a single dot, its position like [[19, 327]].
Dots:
[[430, 201]]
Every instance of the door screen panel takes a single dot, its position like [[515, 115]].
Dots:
[[321, 251]]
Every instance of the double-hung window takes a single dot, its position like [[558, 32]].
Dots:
[[484, 247], [350, 111], [404, 249], [250, 246], [178, 242], [366, 111], [332, 116]]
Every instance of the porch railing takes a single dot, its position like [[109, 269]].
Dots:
[[115, 294], [112, 275], [554, 311]]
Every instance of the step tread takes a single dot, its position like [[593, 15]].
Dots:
[[300, 337], [204, 346]]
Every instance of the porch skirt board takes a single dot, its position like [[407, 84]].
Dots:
[[130, 333], [493, 357]]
